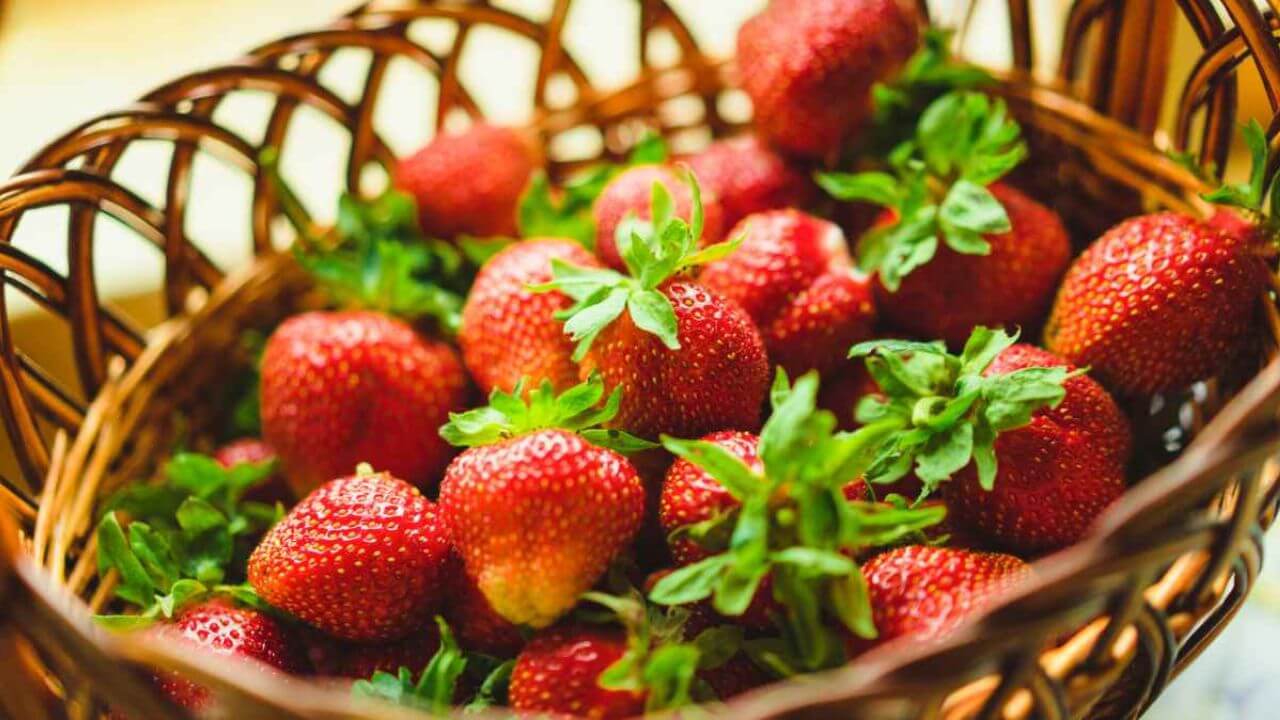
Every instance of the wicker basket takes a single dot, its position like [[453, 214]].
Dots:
[[1122, 612]]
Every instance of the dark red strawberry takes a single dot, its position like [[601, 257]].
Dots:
[[690, 361], [809, 66], [794, 277], [341, 388], [1162, 300], [468, 183], [362, 660], [509, 333], [363, 558], [690, 495], [1056, 474], [749, 177], [222, 628], [1034, 450], [538, 512], [558, 673], [925, 592], [843, 389], [952, 253], [630, 195], [473, 619], [254, 451]]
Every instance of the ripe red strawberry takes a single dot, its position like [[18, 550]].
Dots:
[[341, 388], [509, 333], [690, 495], [951, 253], [252, 450], [363, 558], [809, 66], [1033, 452], [1161, 301], [794, 277], [468, 182], [558, 673], [219, 627], [1011, 287], [473, 619], [925, 592], [689, 360], [1056, 474], [630, 194], [749, 177], [537, 512]]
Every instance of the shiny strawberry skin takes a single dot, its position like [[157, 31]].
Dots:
[[1055, 475], [219, 627], [748, 176], [690, 495], [794, 277], [363, 558], [558, 674], [473, 620], [716, 380], [630, 194], [1011, 287], [252, 450], [508, 332], [809, 66], [924, 592], [469, 182], [538, 518], [1160, 301], [342, 388]]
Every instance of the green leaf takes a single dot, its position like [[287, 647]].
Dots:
[[652, 312], [114, 551], [718, 645], [879, 188], [725, 467], [690, 583], [815, 562], [197, 515], [125, 623], [983, 345], [668, 674], [713, 252], [1013, 397], [439, 680], [509, 414], [851, 600], [946, 454], [493, 691], [973, 207], [651, 149], [618, 441], [478, 251], [984, 455]]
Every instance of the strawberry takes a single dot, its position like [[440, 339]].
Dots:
[[1160, 301], [749, 177], [689, 360], [468, 183], [478, 627], [952, 253], [809, 67], [380, 588], [794, 277], [220, 627], [558, 673], [341, 388], [1034, 450], [254, 452], [536, 510], [787, 521], [924, 592], [362, 660], [437, 687], [507, 331], [629, 196], [841, 392]]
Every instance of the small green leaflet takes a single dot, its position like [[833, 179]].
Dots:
[[1259, 197], [434, 689], [943, 413], [653, 252], [577, 409], [937, 190]]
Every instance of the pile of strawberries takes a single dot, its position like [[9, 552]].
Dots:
[[706, 461]]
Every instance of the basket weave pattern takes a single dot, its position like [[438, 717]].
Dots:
[[1121, 613]]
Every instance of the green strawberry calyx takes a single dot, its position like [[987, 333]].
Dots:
[[658, 661], [1259, 196], [654, 251], [566, 211], [182, 539], [941, 412], [796, 525], [937, 187], [436, 685], [375, 257], [927, 75], [577, 409]]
